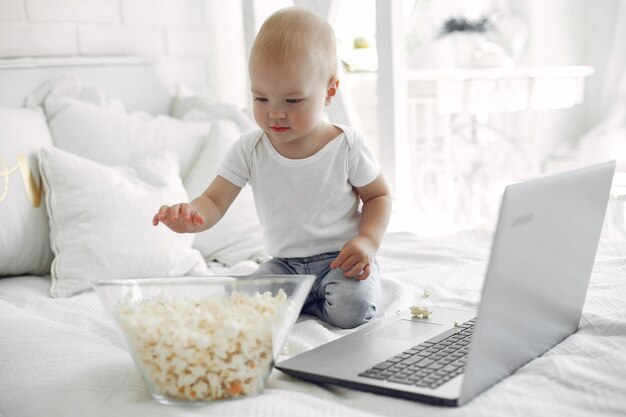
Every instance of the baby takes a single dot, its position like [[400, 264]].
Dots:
[[309, 177]]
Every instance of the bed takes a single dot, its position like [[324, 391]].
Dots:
[[62, 355]]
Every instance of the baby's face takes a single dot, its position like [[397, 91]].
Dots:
[[288, 99]]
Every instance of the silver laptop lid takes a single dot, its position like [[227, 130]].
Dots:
[[541, 261]]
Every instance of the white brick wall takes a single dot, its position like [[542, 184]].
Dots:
[[199, 43], [73, 10], [11, 10], [35, 39], [189, 41], [120, 40], [184, 12]]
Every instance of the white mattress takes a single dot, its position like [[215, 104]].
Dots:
[[63, 356]]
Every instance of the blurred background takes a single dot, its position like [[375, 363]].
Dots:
[[457, 97]]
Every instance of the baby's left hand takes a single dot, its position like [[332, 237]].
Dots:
[[355, 257]]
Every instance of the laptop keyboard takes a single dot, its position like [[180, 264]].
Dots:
[[429, 364]]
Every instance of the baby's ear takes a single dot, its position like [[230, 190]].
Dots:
[[331, 91]]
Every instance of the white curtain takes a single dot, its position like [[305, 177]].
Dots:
[[616, 70], [607, 140]]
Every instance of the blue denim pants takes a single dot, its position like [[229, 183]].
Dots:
[[340, 301]]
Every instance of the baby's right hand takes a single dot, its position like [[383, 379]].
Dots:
[[181, 218]]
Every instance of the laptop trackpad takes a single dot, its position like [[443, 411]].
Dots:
[[407, 330]]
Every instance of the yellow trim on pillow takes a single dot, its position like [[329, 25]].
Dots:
[[33, 188]]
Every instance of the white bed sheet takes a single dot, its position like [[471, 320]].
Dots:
[[64, 357]]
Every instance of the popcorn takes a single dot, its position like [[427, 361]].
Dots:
[[203, 349], [420, 312]]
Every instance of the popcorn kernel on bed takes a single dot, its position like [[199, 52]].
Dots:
[[420, 312], [188, 353]]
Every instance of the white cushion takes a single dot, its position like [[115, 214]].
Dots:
[[101, 220], [69, 85], [85, 122], [24, 244], [238, 235], [114, 137], [189, 106]]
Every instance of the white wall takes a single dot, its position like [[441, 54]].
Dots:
[[571, 32], [198, 43], [600, 33], [560, 33]]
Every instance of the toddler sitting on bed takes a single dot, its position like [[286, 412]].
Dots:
[[308, 176]]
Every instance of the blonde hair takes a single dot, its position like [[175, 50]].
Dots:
[[296, 32]]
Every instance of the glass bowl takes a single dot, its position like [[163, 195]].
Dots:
[[201, 339]]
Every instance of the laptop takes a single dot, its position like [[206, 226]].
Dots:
[[541, 260]]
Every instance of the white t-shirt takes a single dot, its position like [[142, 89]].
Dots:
[[306, 206]]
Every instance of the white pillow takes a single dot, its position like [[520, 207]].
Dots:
[[85, 122], [189, 106], [69, 85], [24, 244], [113, 137], [238, 235], [101, 220]]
